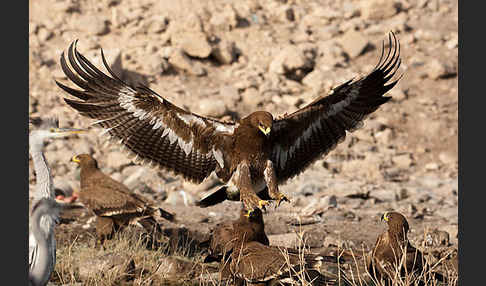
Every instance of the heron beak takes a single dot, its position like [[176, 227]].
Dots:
[[68, 131], [75, 159], [265, 131]]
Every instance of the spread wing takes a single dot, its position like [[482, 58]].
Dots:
[[152, 129], [309, 133]]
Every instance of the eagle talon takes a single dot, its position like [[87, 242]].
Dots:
[[281, 197]]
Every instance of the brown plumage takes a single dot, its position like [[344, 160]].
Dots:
[[249, 155], [393, 254], [254, 262], [114, 205], [245, 228]]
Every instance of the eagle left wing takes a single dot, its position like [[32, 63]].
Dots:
[[304, 136], [154, 130]]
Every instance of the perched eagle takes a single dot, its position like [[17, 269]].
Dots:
[[245, 228], [114, 205], [249, 155], [393, 254]]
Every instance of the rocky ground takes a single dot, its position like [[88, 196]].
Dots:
[[227, 58]]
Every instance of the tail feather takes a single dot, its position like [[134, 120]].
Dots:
[[167, 215], [214, 198]]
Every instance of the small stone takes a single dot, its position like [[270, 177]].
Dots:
[[403, 160], [384, 137], [431, 166], [285, 239], [44, 35], [117, 159], [181, 61], [193, 43], [211, 107], [251, 97], [92, 24], [225, 20], [436, 69], [291, 62], [353, 43], [224, 52], [377, 9]]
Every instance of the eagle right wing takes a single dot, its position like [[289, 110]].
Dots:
[[309, 133]]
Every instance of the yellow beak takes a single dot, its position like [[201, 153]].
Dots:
[[384, 216], [75, 159], [265, 131]]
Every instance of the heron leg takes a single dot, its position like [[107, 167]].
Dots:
[[271, 180]]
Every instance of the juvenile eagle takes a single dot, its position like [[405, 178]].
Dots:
[[249, 155], [393, 254], [114, 205]]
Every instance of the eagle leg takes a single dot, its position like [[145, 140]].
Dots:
[[242, 179], [105, 228], [271, 181]]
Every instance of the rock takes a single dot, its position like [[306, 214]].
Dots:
[[384, 137], [110, 264], [403, 160], [224, 52], [330, 241], [315, 79], [436, 69], [179, 60], [92, 24], [117, 159], [319, 206], [135, 178], [436, 238], [386, 195], [251, 97], [378, 9], [225, 20], [44, 35], [353, 43], [285, 239], [448, 158], [210, 107], [291, 62], [172, 267], [193, 43]]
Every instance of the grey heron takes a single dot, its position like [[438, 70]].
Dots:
[[43, 130], [42, 266]]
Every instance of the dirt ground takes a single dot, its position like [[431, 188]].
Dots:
[[228, 58]]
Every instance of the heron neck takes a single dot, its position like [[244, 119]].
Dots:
[[42, 267], [44, 185]]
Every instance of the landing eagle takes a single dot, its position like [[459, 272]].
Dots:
[[254, 154]]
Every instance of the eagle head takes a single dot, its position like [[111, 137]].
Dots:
[[263, 121]]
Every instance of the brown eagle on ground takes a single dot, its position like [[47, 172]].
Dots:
[[114, 205], [255, 153], [393, 255], [245, 228]]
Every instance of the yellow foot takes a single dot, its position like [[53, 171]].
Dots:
[[280, 198]]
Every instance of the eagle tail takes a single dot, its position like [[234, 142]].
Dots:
[[216, 197], [167, 215]]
